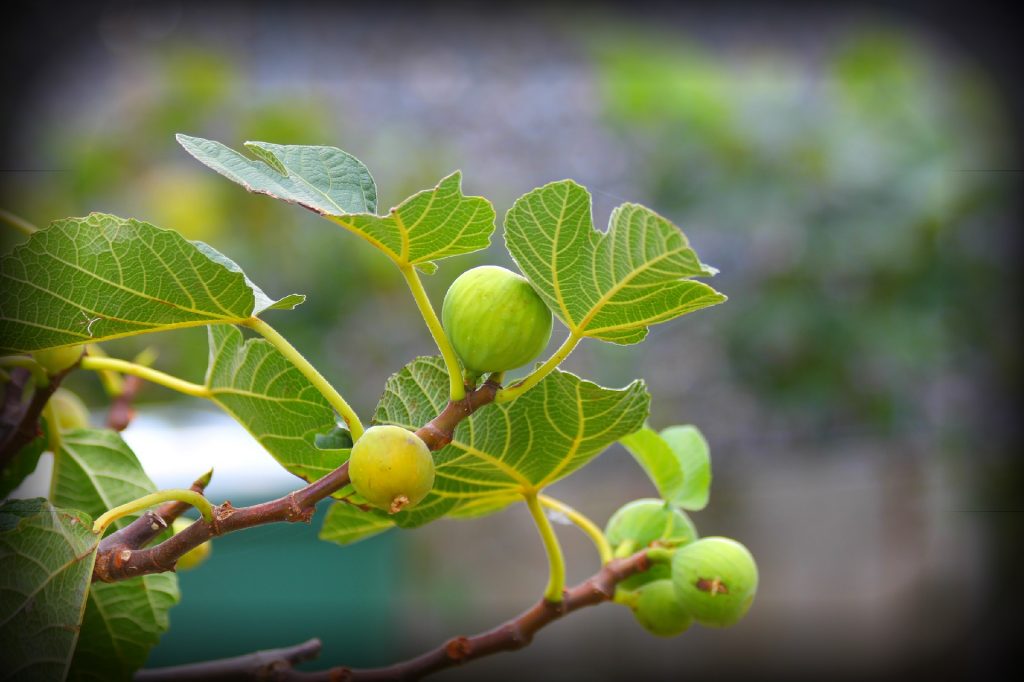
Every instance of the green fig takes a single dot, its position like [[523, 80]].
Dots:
[[391, 467], [194, 556], [657, 608], [650, 520], [70, 410], [55, 360], [715, 579], [495, 320]]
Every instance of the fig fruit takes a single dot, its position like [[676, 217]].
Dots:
[[715, 580], [495, 320], [55, 360], [194, 556], [658, 610], [70, 410], [391, 467], [650, 520]]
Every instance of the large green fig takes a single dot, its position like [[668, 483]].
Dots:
[[391, 467], [70, 410], [715, 580], [55, 360], [194, 556], [658, 610], [495, 320]]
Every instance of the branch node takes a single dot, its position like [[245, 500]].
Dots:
[[458, 648]]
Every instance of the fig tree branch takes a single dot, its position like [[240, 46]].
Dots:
[[21, 418], [509, 636], [261, 665], [118, 562]]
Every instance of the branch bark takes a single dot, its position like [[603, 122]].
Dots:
[[261, 665], [116, 561], [509, 636], [122, 410]]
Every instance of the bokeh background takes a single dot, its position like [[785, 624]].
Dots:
[[853, 173]]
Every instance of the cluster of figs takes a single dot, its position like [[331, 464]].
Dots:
[[711, 581]]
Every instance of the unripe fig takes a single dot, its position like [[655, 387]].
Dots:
[[70, 410], [391, 467], [194, 556], [495, 320], [55, 360], [658, 610], [650, 520], [715, 580]]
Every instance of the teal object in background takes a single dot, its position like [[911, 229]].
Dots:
[[277, 585]]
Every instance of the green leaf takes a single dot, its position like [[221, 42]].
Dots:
[[608, 286], [253, 382], [323, 179], [505, 450], [96, 471], [21, 465], [345, 524], [103, 277], [47, 556], [677, 461], [430, 225]]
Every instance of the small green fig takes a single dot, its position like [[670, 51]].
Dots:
[[70, 410], [495, 320], [658, 610], [55, 360], [194, 556], [715, 580], [391, 467], [650, 520]]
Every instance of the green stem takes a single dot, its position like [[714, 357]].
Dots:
[[451, 360], [556, 561], [147, 373], [660, 555], [18, 223], [355, 427], [520, 387], [585, 524], [190, 497], [112, 382], [39, 375], [625, 549]]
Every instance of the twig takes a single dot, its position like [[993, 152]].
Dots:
[[262, 665], [120, 562], [144, 529], [122, 409], [509, 636]]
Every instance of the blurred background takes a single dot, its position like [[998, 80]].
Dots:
[[853, 174]]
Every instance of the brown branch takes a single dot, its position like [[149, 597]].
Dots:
[[122, 409], [115, 563], [262, 665], [144, 529], [509, 636], [23, 417]]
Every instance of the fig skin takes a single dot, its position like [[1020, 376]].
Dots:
[[391, 467], [55, 360], [495, 320], [658, 610], [715, 580], [71, 411], [649, 520], [194, 556]]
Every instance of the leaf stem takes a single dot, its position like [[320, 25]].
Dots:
[[451, 360], [39, 375], [190, 497], [149, 374], [533, 378], [355, 427], [585, 524], [556, 561], [18, 223]]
